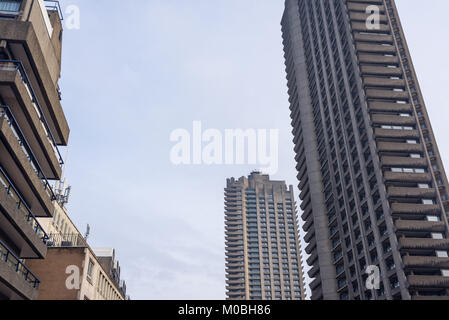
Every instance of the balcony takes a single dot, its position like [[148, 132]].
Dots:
[[417, 262], [407, 177], [19, 222], [389, 106], [417, 281], [36, 43], [403, 162], [388, 119], [17, 91], [384, 82], [417, 209], [402, 192], [399, 147], [66, 241], [381, 71], [396, 134], [17, 282], [22, 167], [423, 244]]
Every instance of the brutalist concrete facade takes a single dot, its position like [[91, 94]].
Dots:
[[32, 127], [263, 256], [373, 188]]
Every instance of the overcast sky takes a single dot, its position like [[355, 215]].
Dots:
[[136, 71]]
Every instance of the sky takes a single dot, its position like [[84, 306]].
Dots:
[[135, 72]]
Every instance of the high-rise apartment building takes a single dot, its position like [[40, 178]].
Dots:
[[263, 257], [32, 127], [374, 190]]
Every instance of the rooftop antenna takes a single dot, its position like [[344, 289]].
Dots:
[[87, 232]]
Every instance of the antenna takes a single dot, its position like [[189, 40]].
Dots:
[[87, 232]]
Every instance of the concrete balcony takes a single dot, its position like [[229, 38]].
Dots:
[[381, 71], [398, 192], [419, 226], [17, 282], [387, 94], [18, 95], [403, 162], [236, 283], [387, 119], [384, 82], [18, 162], [311, 246], [428, 281], [375, 48], [314, 271], [407, 177], [353, 6], [361, 27], [19, 223], [315, 283], [389, 106], [378, 59], [37, 43], [376, 38], [313, 257], [396, 134], [308, 223], [413, 208], [309, 235], [384, 146], [416, 262], [423, 244]]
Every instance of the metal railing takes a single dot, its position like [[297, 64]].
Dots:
[[17, 265], [22, 205], [6, 113], [72, 240], [53, 5], [17, 65]]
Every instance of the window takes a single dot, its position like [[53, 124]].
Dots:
[[90, 268], [10, 5]]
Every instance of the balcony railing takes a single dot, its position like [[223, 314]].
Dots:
[[12, 65], [53, 5], [17, 265], [6, 113], [72, 240], [22, 205]]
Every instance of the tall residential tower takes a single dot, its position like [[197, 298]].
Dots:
[[32, 127], [374, 190], [263, 258]]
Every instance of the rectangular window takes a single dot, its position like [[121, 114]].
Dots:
[[90, 268]]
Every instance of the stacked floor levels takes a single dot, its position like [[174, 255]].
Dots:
[[374, 190]]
